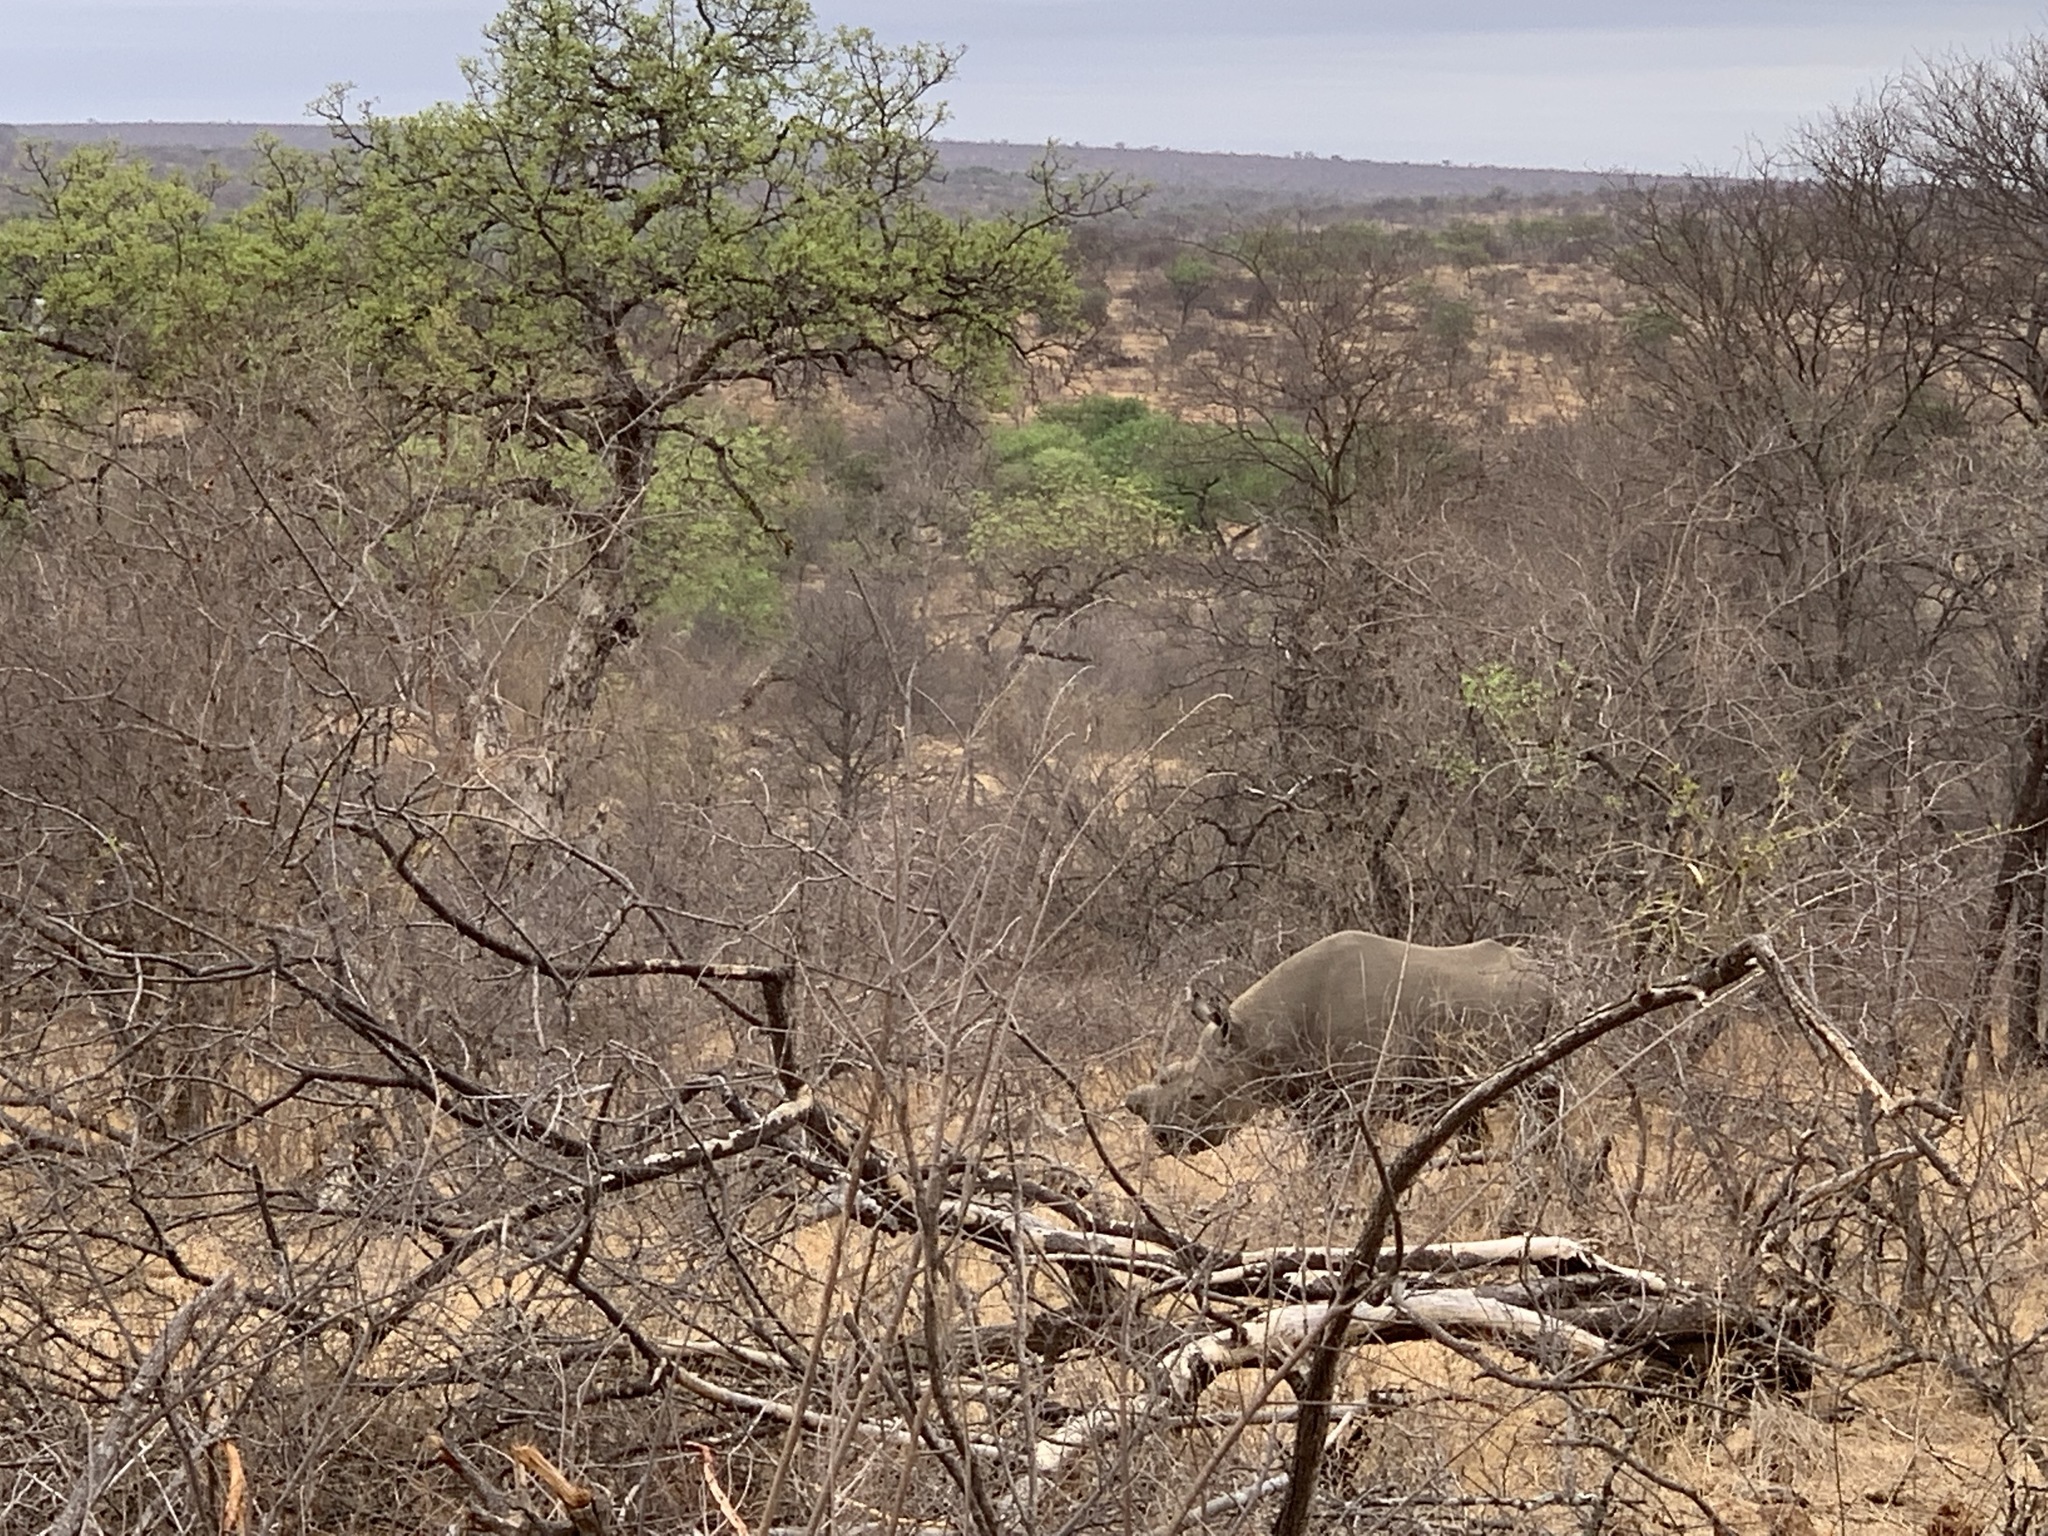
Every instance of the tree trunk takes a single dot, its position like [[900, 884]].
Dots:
[[607, 616], [2023, 1016], [2020, 854]]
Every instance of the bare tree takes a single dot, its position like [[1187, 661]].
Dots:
[[851, 672], [1797, 335], [1324, 385]]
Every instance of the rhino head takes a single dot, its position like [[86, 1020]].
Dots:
[[1197, 1102]]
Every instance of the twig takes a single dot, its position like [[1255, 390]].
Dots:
[[718, 1494]]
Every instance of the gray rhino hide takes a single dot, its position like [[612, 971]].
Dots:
[[1353, 1020]]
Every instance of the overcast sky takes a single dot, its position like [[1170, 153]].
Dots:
[[1599, 84]]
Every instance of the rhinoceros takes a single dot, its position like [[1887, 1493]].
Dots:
[[1354, 1019]]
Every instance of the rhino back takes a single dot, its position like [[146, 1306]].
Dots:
[[1362, 1003]]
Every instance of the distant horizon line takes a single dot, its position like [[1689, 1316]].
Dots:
[[112, 125]]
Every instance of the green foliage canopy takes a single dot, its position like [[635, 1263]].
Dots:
[[642, 212], [640, 205], [1067, 511], [1191, 469], [119, 289]]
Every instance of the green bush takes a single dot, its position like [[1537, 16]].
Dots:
[[1190, 468]]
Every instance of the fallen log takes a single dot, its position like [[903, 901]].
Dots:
[[1276, 1336]]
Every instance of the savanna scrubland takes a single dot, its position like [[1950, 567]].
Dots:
[[621, 730]]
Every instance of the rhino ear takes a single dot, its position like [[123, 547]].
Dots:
[[1210, 1011]]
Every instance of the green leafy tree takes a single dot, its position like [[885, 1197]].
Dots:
[[642, 213], [1192, 468], [1192, 277], [114, 267], [1060, 531], [1468, 244], [1063, 502], [120, 289]]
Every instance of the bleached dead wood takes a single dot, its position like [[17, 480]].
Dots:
[[1275, 1336], [1264, 1269], [1249, 1272], [1010, 1231]]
